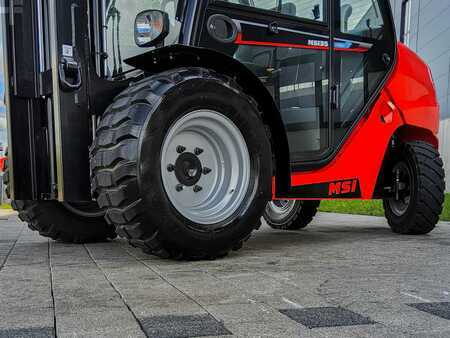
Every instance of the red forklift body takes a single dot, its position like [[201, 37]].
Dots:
[[407, 106]]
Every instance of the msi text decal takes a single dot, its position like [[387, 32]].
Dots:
[[343, 188]]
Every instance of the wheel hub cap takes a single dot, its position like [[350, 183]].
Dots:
[[402, 189], [188, 169]]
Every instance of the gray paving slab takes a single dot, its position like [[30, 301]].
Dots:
[[270, 329], [244, 313], [400, 316], [359, 331], [326, 317], [16, 318], [25, 287], [10, 232], [430, 334], [86, 304], [143, 290], [97, 322], [210, 290]]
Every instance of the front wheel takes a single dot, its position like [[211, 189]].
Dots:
[[183, 164], [290, 214], [418, 189]]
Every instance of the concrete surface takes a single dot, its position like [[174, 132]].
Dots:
[[345, 276]]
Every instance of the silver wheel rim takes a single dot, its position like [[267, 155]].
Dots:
[[205, 167], [279, 210]]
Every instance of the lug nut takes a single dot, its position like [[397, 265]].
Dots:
[[170, 168], [181, 149], [179, 188], [206, 171], [198, 151], [197, 188]]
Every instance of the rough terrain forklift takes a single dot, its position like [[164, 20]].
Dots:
[[177, 124]]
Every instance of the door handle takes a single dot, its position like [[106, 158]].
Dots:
[[70, 66], [69, 74], [335, 97], [386, 59]]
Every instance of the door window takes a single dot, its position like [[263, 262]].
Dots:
[[303, 100], [298, 81], [306, 9], [359, 64]]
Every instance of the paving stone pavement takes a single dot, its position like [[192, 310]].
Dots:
[[344, 276]]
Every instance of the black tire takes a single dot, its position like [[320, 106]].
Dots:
[[126, 164], [53, 220], [419, 211], [294, 215], [56, 221]]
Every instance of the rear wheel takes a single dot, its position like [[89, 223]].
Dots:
[[65, 222], [289, 214], [418, 190], [70, 223], [182, 162]]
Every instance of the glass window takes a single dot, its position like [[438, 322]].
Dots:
[[361, 18], [360, 72], [307, 9], [298, 82], [119, 17]]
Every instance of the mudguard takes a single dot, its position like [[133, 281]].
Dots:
[[413, 92]]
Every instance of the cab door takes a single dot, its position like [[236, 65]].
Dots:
[[363, 57], [286, 44]]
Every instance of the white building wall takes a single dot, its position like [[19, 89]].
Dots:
[[429, 36]]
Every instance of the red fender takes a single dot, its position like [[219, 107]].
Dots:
[[412, 89]]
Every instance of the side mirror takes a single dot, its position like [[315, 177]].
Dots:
[[316, 12], [151, 28]]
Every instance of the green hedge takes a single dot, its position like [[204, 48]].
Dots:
[[371, 208]]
